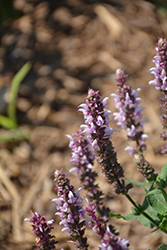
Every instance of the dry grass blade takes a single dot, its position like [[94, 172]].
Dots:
[[45, 170], [15, 204]]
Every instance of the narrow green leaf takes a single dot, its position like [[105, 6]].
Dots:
[[17, 79], [162, 247], [118, 216], [17, 134], [156, 199], [138, 183], [6, 122], [130, 216]]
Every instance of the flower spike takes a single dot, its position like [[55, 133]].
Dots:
[[83, 159], [130, 117], [130, 113], [98, 130], [71, 210], [42, 229], [160, 82]]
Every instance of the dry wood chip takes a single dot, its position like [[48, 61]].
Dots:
[[109, 60], [23, 104], [112, 22], [25, 24]]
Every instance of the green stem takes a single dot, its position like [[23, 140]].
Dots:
[[144, 213], [140, 211]]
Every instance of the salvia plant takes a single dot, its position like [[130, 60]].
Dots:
[[92, 144]]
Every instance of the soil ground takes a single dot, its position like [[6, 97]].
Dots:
[[73, 45]]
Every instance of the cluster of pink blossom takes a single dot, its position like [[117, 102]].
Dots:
[[130, 112], [42, 229], [83, 159], [129, 117], [160, 82], [72, 213], [160, 69], [98, 130]]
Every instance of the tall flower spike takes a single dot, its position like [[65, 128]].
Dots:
[[130, 112], [160, 69], [97, 128], [83, 159], [160, 82], [129, 117], [42, 229], [71, 210]]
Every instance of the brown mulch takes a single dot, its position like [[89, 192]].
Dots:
[[73, 45]]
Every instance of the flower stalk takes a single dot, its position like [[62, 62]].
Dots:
[[42, 229], [83, 159], [98, 130], [72, 213], [130, 113], [160, 82]]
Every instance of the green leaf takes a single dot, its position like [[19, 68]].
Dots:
[[130, 216], [162, 177], [11, 135], [146, 222], [118, 216], [138, 183], [145, 202], [164, 169], [162, 247], [6, 122], [17, 79], [156, 199]]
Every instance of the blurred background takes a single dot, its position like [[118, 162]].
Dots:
[[72, 45]]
